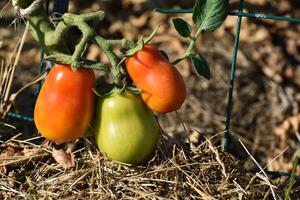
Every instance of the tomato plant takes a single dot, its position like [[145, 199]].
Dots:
[[126, 129], [163, 88], [65, 104]]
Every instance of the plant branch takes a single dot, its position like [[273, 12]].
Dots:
[[51, 38], [189, 49], [88, 34], [102, 43], [121, 42]]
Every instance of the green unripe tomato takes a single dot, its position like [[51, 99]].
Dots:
[[126, 129]]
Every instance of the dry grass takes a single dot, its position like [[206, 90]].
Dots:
[[177, 171], [7, 72]]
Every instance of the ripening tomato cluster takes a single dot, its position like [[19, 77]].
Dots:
[[126, 129]]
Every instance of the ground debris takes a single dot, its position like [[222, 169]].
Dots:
[[177, 171]]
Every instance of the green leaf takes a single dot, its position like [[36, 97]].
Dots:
[[182, 27], [201, 66], [210, 14]]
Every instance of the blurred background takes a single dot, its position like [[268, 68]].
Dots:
[[265, 112]]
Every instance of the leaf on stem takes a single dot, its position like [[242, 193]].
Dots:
[[182, 27], [210, 14], [201, 65]]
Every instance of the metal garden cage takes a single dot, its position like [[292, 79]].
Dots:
[[61, 6]]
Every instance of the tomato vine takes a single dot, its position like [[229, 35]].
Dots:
[[159, 84], [207, 16]]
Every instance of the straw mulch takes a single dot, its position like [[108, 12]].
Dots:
[[177, 171]]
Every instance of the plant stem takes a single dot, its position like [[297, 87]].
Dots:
[[122, 42], [88, 34], [52, 39], [189, 49], [44, 32], [291, 180], [102, 43]]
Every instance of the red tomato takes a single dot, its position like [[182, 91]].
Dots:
[[66, 103], [163, 89]]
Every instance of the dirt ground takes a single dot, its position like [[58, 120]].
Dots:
[[266, 112]]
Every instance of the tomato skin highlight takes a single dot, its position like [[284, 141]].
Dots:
[[65, 104], [126, 129], [163, 88]]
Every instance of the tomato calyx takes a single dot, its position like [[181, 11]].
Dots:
[[139, 45], [104, 89]]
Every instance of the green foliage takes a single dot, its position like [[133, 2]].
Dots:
[[201, 65], [182, 27], [208, 15]]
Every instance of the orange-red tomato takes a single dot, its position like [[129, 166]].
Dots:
[[65, 104], [163, 89]]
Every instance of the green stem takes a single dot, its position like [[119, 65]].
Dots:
[[52, 39], [79, 49], [291, 180], [89, 34], [121, 42], [102, 43], [190, 48], [44, 32]]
